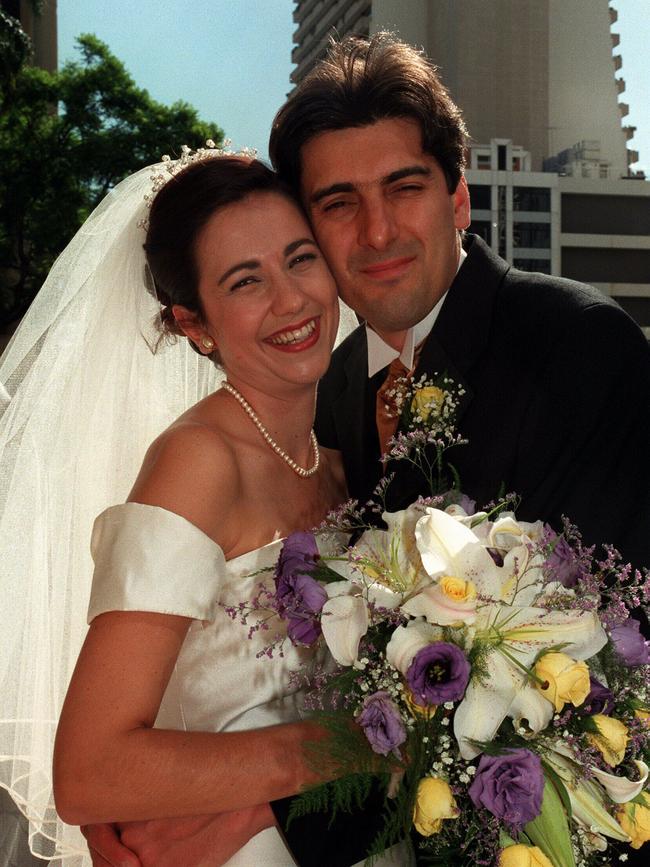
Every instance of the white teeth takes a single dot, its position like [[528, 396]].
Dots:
[[295, 336]]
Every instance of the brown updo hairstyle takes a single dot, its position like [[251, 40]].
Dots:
[[179, 213]]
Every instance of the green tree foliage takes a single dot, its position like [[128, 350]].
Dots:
[[15, 49], [66, 138]]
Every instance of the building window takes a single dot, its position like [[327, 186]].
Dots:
[[543, 266], [516, 164], [501, 220], [501, 157], [480, 196], [483, 229], [483, 161], [531, 199], [535, 235]]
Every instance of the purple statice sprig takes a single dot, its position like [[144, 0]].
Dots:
[[426, 451], [507, 503], [622, 588], [607, 585], [346, 518], [376, 505], [263, 607]]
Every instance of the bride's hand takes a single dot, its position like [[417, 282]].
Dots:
[[194, 841]]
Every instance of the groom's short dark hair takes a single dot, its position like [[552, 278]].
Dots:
[[359, 82]]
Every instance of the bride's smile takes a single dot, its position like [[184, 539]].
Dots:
[[269, 301]]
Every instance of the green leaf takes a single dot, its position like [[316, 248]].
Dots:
[[557, 781], [550, 830]]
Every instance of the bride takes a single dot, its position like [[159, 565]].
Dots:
[[233, 258], [234, 267]]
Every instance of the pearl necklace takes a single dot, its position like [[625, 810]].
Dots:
[[250, 412]]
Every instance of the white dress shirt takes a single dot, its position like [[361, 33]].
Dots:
[[380, 354]]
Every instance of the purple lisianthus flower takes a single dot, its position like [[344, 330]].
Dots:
[[382, 724], [438, 673], [509, 786], [299, 553], [630, 644], [300, 597], [454, 497], [562, 561], [599, 700], [467, 504]]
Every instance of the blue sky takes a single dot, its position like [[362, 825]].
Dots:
[[231, 59]]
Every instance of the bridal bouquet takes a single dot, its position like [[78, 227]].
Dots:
[[487, 667]]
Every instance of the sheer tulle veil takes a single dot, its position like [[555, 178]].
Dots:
[[82, 395]]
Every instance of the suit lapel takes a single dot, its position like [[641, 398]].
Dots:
[[354, 417], [455, 343], [462, 329]]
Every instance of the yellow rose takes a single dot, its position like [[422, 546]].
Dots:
[[427, 400], [434, 803], [563, 679], [523, 856], [642, 714], [634, 819], [457, 588], [421, 710], [611, 739]]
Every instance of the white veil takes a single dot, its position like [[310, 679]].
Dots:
[[82, 395]]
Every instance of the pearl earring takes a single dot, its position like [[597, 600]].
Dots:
[[207, 343]]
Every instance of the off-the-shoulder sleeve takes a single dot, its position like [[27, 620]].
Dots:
[[149, 559]]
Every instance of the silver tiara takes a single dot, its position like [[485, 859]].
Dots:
[[172, 167]]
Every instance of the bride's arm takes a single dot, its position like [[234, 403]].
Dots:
[[110, 763]]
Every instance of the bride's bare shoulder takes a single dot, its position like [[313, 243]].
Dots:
[[191, 469]]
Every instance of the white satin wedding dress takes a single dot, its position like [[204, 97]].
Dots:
[[149, 559]]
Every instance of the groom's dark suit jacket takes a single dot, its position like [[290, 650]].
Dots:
[[557, 409], [557, 403]]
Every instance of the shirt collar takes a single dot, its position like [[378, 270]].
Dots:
[[380, 354]]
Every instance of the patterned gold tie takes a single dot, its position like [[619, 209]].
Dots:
[[387, 407]]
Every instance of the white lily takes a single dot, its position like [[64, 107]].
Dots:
[[622, 789], [507, 532], [387, 563], [517, 635], [344, 623], [448, 547], [530, 709], [449, 602], [507, 621], [587, 798]]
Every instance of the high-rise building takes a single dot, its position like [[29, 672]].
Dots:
[[592, 229], [317, 20]]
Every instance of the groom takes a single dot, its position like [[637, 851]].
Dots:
[[556, 377]]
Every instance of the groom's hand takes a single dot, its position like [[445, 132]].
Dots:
[[195, 841], [105, 847]]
